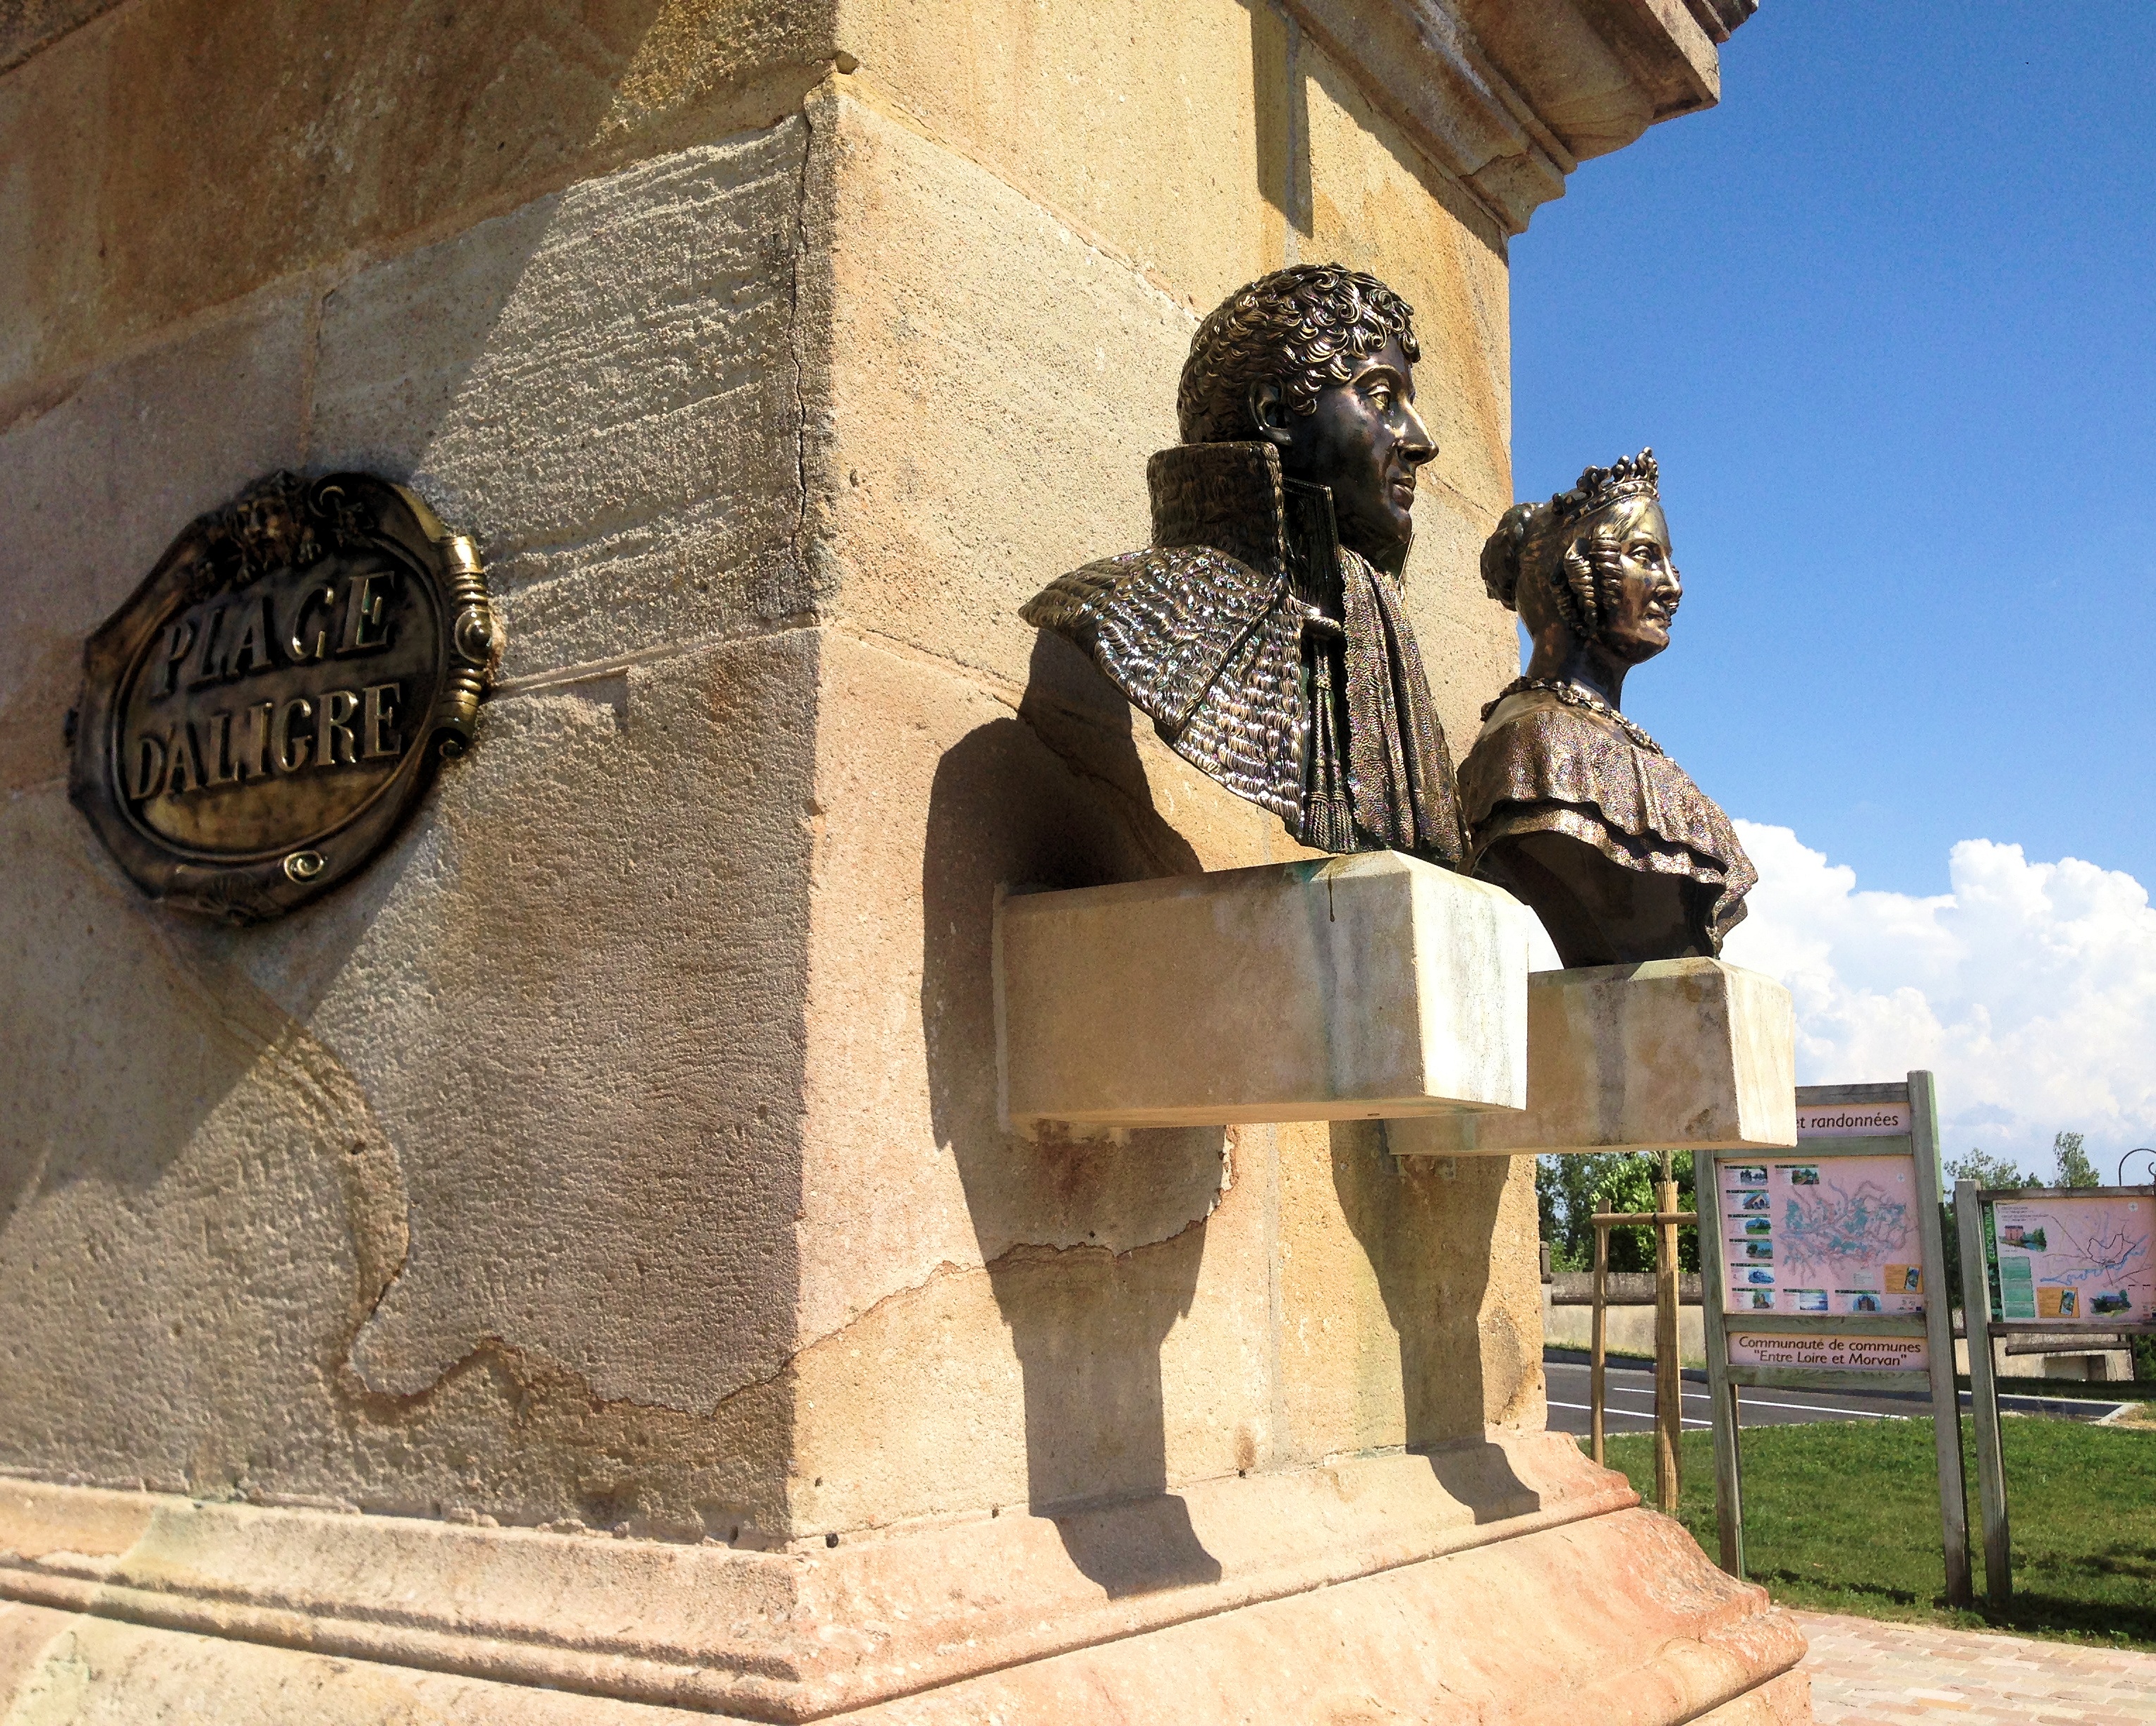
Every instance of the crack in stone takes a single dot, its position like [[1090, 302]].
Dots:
[[1018, 1252], [1049, 1250]]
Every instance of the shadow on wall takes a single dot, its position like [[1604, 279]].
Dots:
[[1092, 1246], [148, 1023], [1428, 1235], [174, 1146], [1280, 81]]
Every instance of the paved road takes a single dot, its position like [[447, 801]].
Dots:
[[1632, 1401]]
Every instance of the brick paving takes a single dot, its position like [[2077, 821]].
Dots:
[[1867, 1673]]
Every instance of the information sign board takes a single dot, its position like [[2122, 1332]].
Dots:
[[2055, 1260], [2071, 1259], [1852, 1120], [1861, 1355], [1822, 1237], [1821, 1264]]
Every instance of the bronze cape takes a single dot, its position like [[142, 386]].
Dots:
[[1540, 766], [1269, 655]]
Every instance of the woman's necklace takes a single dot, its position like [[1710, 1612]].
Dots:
[[1573, 695]]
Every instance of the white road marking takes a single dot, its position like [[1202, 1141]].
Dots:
[[1621, 1414], [2007, 1399], [1815, 1408], [1761, 1402], [1746, 1401]]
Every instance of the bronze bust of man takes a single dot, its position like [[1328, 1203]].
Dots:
[[1571, 806], [1265, 633]]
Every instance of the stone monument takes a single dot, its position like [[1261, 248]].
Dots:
[[577, 1268]]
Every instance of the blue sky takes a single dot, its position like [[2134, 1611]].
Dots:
[[1888, 317]]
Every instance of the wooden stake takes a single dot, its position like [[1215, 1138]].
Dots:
[[1668, 1398], [1984, 1397], [1601, 1332], [1721, 1393]]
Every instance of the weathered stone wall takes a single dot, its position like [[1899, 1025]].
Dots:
[[621, 1148], [471, 1190]]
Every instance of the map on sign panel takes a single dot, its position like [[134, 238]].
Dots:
[[2076, 1260], [1840, 1235], [1837, 1228]]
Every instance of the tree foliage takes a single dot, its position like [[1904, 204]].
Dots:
[[2074, 1168], [1565, 1189], [1987, 1170]]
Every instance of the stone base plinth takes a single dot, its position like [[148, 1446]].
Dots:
[[1355, 989], [1502, 1579], [1691, 1054]]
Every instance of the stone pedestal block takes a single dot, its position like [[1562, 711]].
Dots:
[[1691, 1054], [1357, 989]]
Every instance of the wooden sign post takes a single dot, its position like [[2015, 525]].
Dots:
[[1824, 1268], [1669, 1412], [2047, 1260]]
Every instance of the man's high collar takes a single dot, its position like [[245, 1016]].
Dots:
[[1233, 497]]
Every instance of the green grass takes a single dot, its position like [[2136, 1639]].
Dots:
[[1843, 1517]]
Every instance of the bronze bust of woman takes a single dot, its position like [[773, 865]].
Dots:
[[1570, 804]]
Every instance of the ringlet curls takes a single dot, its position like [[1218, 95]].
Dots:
[[1540, 539]]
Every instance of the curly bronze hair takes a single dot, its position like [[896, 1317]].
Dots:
[[1305, 327]]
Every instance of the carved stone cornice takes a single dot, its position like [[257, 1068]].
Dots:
[[1508, 96], [1718, 18]]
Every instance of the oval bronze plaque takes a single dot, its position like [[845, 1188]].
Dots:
[[257, 720]]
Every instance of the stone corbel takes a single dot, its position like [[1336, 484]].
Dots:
[[1357, 988], [1681, 1054], [1372, 987]]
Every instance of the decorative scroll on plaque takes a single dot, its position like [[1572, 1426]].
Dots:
[[257, 720]]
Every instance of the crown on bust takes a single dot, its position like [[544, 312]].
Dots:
[[1599, 487]]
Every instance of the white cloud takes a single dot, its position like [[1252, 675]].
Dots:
[[2029, 989]]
